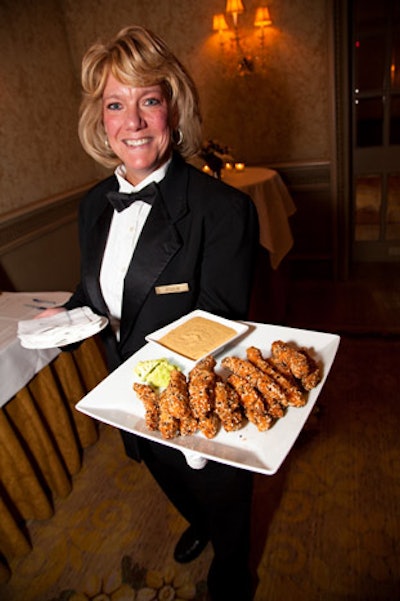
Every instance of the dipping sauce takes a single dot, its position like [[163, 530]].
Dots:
[[197, 337]]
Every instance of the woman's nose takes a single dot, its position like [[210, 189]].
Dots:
[[134, 117]]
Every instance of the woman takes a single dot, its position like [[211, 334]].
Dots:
[[144, 266]]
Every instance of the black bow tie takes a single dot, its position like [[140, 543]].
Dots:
[[121, 201]]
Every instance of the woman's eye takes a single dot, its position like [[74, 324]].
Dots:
[[151, 101], [113, 106]]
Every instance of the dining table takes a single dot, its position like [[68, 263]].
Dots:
[[42, 435], [274, 206]]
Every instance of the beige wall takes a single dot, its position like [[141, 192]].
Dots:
[[277, 117], [40, 154], [280, 116], [49, 262]]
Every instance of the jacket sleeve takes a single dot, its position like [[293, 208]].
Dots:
[[90, 210], [78, 298]]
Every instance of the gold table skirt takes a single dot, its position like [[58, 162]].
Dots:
[[42, 437]]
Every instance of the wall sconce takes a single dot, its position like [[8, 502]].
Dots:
[[263, 19], [234, 8], [220, 25]]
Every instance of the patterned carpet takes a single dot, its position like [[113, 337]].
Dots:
[[326, 526]]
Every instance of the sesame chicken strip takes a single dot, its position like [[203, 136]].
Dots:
[[209, 425], [208, 363], [272, 393], [313, 378], [293, 394], [290, 357], [252, 402], [299, 361], [188, 425], [201, 386], [150, 401], [168, 424], [177, 395], [227, 407]]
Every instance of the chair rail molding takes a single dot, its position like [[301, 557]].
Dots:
[[28, 223]]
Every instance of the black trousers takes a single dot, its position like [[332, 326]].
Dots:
[[215, 500]]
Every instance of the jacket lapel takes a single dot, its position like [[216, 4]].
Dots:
[[97, 239], [158, 243]]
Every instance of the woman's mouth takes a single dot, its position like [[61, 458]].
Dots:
[[136, 143]]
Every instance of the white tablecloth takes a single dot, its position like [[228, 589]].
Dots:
[[274, 206], [19, 365]]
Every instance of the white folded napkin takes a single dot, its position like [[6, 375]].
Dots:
[[194, 460], [60, 329]]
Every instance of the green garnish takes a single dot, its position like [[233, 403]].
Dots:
[[155, 372]]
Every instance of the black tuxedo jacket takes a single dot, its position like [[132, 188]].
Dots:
[[200, 235]]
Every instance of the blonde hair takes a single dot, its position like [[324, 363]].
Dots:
[[137, 57]]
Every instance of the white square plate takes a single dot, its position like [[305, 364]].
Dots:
[[114, 402], [239, 327]]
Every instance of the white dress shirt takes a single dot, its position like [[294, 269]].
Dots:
[[123, 236], [122, 239]]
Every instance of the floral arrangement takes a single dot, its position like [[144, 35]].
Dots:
[[215, 156]]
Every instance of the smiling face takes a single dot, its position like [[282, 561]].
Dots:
[[138, 126]]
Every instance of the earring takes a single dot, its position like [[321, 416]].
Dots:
[[106, 143], [178, 137]]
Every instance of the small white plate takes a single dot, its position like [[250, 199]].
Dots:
[[61, 329], [239, 327], [114, 402]]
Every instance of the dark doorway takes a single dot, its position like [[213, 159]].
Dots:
[[375, 124]]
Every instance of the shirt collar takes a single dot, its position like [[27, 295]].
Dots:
[[127, 187]]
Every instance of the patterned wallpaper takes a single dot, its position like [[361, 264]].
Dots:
[[40, 153], [277, 115]]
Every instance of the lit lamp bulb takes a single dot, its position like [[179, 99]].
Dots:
[[219, 23], [263, 18], [234, 8]]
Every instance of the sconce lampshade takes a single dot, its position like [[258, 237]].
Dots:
[[234, 7], [219, 23], [262, 17]]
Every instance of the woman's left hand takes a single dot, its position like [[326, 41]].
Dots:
[[49, 312]]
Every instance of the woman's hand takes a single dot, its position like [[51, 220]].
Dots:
[[49, 312]]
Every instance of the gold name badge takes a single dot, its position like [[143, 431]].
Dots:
[[172, 288]]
